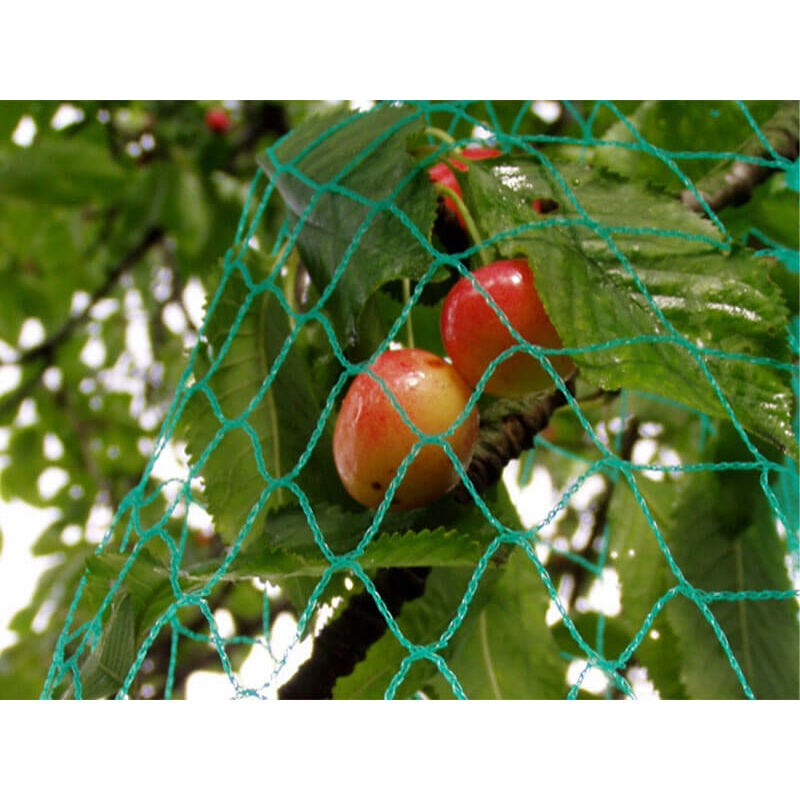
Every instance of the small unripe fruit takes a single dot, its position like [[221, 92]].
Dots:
[[474, 334], [371, 439], [442, 174]]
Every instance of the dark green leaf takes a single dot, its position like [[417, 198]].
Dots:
[[724, 540], [331, 172], [445, 533]]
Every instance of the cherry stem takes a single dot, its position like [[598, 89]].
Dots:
[[472, 229], [409, 322], [290, 268], [442, 136]]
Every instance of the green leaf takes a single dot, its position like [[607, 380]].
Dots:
[[188, 212], [105, 669], [11, 111], [25, 451], [771, 213], [718, 535], [260, 383], [23, 667], [43, 261], [661, 652], [643, 286], [286, 552], [146, 581], [61, 171], [423, 621], [723, 537], [288, 547], [640, 221], [645, 577], [443, 533], [431, 620], [659, 131], [504, 649], [344, 178]]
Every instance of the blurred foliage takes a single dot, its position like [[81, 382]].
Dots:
[[113, 217]]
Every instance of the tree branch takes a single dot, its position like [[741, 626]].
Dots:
[[500, 443], [734, 184], [559, 564], [344, 642], [47, 348], [45, 352]]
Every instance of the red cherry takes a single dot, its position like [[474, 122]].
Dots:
[[218, 120], [474, 335], [371, 439], [442, 173]]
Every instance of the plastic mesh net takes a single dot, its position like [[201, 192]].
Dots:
[[702, 352]]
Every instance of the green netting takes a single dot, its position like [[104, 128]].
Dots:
[[680, 428]]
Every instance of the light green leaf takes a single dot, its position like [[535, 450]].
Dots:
[[645, 577], [504, 649], [105, 669]]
